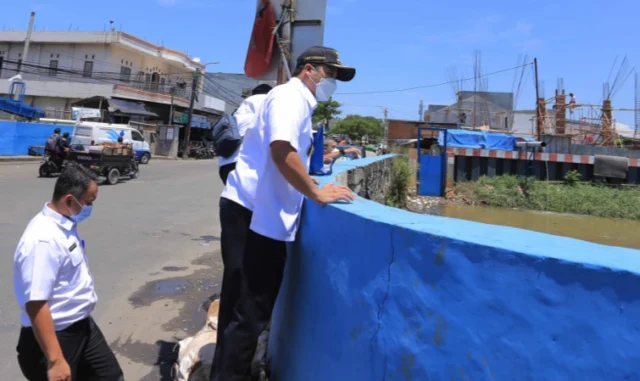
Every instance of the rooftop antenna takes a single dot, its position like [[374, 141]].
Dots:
[[111, 26]]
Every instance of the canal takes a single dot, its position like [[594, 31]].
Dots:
[[614, 232]]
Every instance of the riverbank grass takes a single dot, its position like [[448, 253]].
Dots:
[[529, 194]]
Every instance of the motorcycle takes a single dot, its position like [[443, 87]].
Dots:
[[48, 167]]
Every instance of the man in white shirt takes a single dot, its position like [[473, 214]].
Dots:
[[245, 116], [263, 197], [59, 341]]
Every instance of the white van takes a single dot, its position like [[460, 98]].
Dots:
[[94, 133]]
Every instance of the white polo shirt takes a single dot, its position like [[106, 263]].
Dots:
[[257, 184], [246, 116], [50, 264]]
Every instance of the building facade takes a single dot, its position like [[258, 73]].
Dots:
[[63, 68]]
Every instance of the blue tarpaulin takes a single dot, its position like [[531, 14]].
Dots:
[[479, 140]]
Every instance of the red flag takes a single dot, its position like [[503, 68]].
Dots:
[[261, 44]]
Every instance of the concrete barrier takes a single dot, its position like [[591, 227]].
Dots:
[[16, 137], [376, 293]]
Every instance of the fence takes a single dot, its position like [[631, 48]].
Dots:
[[563, 144], [17, 137]]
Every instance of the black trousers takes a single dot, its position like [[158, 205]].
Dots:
[[83, 347], [234, 221], [225, 170], [262, 271]]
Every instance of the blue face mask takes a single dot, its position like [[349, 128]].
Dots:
[[85, 212]]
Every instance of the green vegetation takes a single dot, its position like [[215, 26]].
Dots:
[[328, 111], [400, 177], [572, 197], [572, 178], [357, 126]]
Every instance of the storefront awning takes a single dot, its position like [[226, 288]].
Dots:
[[126, 107]]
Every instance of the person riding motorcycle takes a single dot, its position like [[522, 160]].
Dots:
[[54, 148]]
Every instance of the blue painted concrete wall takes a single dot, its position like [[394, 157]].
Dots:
[[16, 137], [375, 293]]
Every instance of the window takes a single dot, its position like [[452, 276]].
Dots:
[[147, 81], [88, 69], [53, 68], [125, 74], [1, 62], [135, 135]]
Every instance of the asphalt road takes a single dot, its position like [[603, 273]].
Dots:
[[153, 248]]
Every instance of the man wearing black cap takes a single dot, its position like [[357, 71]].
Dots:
[[263, 198], [245, 116]]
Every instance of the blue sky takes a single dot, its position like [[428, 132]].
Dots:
[[407, 44]]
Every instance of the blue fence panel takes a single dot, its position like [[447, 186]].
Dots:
[[17, 137], [431, 176]]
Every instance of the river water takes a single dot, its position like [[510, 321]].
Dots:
[[614, 232]]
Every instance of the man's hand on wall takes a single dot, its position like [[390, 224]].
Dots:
[[332, 193]]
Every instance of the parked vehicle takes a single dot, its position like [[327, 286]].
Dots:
[[94, 133], [199, 150]]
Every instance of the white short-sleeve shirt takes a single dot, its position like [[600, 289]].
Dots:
[[50, 264], [257, 183], [246, 116]]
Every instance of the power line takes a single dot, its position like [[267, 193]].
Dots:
[[437, 84]]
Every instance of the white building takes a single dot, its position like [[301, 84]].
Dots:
[[64, 67]]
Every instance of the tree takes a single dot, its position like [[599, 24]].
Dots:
[[357, 126], [327, 110]]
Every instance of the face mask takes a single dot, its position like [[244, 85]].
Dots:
[[85, 212], [325, 88]]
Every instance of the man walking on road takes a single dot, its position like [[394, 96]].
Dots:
[[53, 286], [246, 116], [260, 206]]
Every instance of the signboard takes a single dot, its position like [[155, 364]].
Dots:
[[180, 117], [197, 121], [85, 113]]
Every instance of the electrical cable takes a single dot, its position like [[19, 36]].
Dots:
[[435, 85]]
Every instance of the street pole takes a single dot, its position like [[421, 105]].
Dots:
[[171, 109], [386, 129], [538, 113], [194, 87], [27, 41]]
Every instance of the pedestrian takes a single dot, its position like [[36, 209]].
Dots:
[[54, 288], [260, 205], [246, 116]]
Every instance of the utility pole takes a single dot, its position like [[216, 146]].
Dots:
[[194, 88], [27, 41], [173, 90], [539, 120], [285, 42], [386, 129]]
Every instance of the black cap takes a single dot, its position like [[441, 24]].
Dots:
[[329, 57], [261, 89]]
